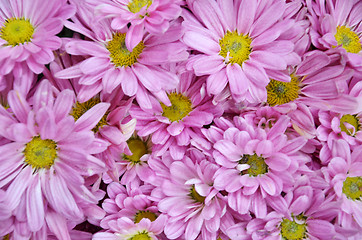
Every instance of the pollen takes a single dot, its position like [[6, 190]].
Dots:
[[352, 188], [348, 39], [80, 108], [138, 149], [136, 5], [17, 31], [180, 107], [235, 48], [144, 214], [40, 153], [350, 124], [195, 196], [282, 92], [291, 230], [257, 165], [119, 54], [140, 236]]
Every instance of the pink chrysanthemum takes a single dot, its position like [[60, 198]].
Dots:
[[256, 164], [193, 205], [28, 33], [344, 174], [44, 164], [151, 16], [111, 64], [175, 127], [240, 45], [338, 24]]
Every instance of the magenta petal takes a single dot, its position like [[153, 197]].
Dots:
[[278, 161], [57, 225], [313, 62]]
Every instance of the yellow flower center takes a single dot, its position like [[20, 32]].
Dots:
[[40, 153], [291, 230], [119, 54], [80, 108], [235, 48], [195, 196], [17, 31], [349, 124], [138, 149], [144, 214], [348, 39], [6, 237], [282, 92], [180, 107], [257, 165], [136, 5], [140, 236], [352, 188]]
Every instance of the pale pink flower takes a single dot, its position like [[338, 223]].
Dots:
[[240, 44], [153, 16], [337, 25], [111, 65], [193, 205], [256, 163], [28, 33], [47, 160], [175, 127]]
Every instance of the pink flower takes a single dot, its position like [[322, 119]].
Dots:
[[111, 65], [337, 24], [143, 16], [175, 127], [193, 205], [240, 45], [34, 42], [47, 159], [256, 163]]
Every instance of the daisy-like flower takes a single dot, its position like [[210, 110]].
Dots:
[[256, 164], [193, 205], [344, 174], [28, 33], [46, 160], [240, 45], [337, 24], [111, 64], [175, 127], [152, 16], [303, 213]]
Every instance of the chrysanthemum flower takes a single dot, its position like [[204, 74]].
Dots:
[[28, 33], [344, 174], [193, 205], [240, 45], [46, 160], [256, 163], [151, 16], [172, 127], [337, 24], [111, 64]]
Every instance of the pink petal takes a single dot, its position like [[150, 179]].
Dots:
[[238, 82], [201, 42], [34, 206], [91, 118]]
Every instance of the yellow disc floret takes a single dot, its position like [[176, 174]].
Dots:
[[195, 196], [119, 54], [257, 164], [350, 124], [352, 188], [40, 153], [140, 236], [180, 107], [235, 48], [144, 214], [291, 230], [348, 39], [136, 5], [138, 149], [80, 108], [17, 31], [282, 92]]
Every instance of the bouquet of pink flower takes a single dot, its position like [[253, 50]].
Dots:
[[181, 119]]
